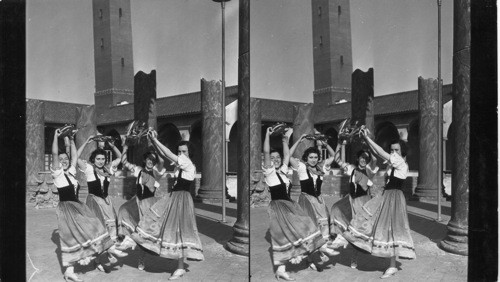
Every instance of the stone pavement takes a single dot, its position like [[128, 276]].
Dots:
[[431, 264], [43, 256]]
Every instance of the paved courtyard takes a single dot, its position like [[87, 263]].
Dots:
[[431, 264], [43, 261]]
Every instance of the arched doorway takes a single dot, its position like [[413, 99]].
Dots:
[[169, 135], [195, 139], [413, 153], [232, 149]]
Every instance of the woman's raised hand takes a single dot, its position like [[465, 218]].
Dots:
[[269, 130], [57, 132], [152, 133], [89, 140]]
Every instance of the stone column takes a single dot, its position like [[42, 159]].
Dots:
[[240, 242], [212, 141], [302, 124], [145, 109], [35, 141], [362, 105], [428, 139], [456, 240], [86, 124]]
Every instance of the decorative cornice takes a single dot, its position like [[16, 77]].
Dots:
[[114, 91]]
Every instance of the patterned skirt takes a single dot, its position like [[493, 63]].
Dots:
[[293, 233], [131, 212], [169, 228], [317, 211], [343, 211], [382, 227], [81, 234], [105, 212]]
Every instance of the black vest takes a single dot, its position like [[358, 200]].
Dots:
[[354, 189], [307, 186], [394, 182], [67, 193], [278, 192], [143, 191], [95, 187], [182, 184]]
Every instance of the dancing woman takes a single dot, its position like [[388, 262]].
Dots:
[[169, 227], [310, 199], [293, 233], [131, 212], [382, 227], [360, 182], [98, 176], [82, 236]]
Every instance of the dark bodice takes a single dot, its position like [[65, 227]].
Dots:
[[278, 192], [95, 187], [67, 193], [355, 190], [182, 184], [143, 191], [394, 182], [307, 186]]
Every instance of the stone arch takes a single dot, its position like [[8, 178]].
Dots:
[[169, 135], [385, 132], [195, 139], [413, 145], [232, 149]]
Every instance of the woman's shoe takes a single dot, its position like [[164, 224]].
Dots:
[[354, 263], [177, 274], [141, 265], [389, 272], [328, 251], [313, 266], [127, 243], [339, 241], [71, 277], [102, 268], [284, 276], [116, 253]]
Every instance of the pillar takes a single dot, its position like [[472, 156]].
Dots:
[[456, 240], [362, 105], [257, 177], [428, 140], [302, 124], [212, 141], [86, 124], [35, 141], [239, 244], [145, 109]]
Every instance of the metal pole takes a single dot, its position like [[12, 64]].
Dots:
[[223, 122], [440, 119]]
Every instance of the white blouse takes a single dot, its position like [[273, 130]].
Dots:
[[187, 167], [59, 178], [272, 179], [89, 172], [399, 164]]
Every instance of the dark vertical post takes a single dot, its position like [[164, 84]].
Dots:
[[428, 144], [240, 242], [456, 240], [35, 140], [303, 124], [255, 142], [362, 103], [212, 142]]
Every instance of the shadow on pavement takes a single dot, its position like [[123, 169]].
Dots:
[[431, 229], [429, 207], [216, 209], [220, 232], [55, 240]]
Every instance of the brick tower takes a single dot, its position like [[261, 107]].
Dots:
[[114, 65], [331, 21]]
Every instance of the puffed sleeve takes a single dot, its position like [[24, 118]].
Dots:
[[397, 161], [267, 170]]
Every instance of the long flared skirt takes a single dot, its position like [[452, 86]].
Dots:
[[316, 209], [382, 227], [169, 228], [343, 211], [293, 232], [81, 233], [131, 212], [105, 212]]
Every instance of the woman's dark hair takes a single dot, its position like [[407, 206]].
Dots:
[[366, 154], [401, 143], [309, 151], [150, 155], [96, 152], [63, 153], [189, 145], [275, 151]]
